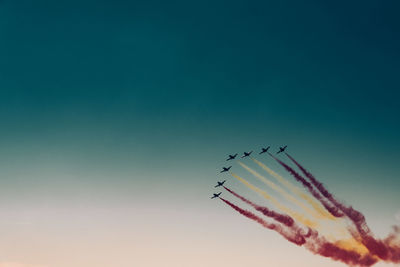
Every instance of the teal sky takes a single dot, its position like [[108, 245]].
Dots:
[[122, 106]]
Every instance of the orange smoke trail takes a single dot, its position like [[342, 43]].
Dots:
[[276, 203], [280, 190], [331, 208], [384, 249], [347, 251], [311, 240]]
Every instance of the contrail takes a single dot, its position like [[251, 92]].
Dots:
[[332, 209], [282, 218], [264, 194], [295, 190], [280, 190], [382, 248], [292, 237]]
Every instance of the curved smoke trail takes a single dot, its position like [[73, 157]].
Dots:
[[384, 249], [280, 190], [311, 240], [275, 202], [364, 251], [282, 218], [296, 190], [327, 249], [332, 209], [295, 239]]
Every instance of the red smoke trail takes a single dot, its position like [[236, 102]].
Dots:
[[332, 210], [282, 218], [382, 248], [294, 238], [356, 216], [320, 246], [327, 249], [311, 240]]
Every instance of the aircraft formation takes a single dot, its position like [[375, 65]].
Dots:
[[315, 219], [245, 154]]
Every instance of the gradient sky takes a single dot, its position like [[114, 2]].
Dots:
[[117, 115]]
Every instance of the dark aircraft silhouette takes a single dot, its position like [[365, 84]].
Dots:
[[225, 169], [216, 195], [232, 157], [263, 150], [246, 154], [281, 149], [220, 183]]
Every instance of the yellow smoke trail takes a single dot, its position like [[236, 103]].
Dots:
[[280, 190], [348, 243], [297, 191], [284, 209], [352, 245]]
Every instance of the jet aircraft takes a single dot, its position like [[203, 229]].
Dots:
[[281, 149], [220, 183], [246, 154], [231, 157], [216, 195], [225, 169], [263, 150]]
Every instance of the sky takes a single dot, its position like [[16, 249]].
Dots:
[[116, 117]]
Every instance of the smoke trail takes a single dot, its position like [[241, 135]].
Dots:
[[382, 248], [294, 238], [332, 209], [331, 250], [297, 191], [283, 208], [317, 245], [279, 190], [282, 218], [349, 244], [353, 214]]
